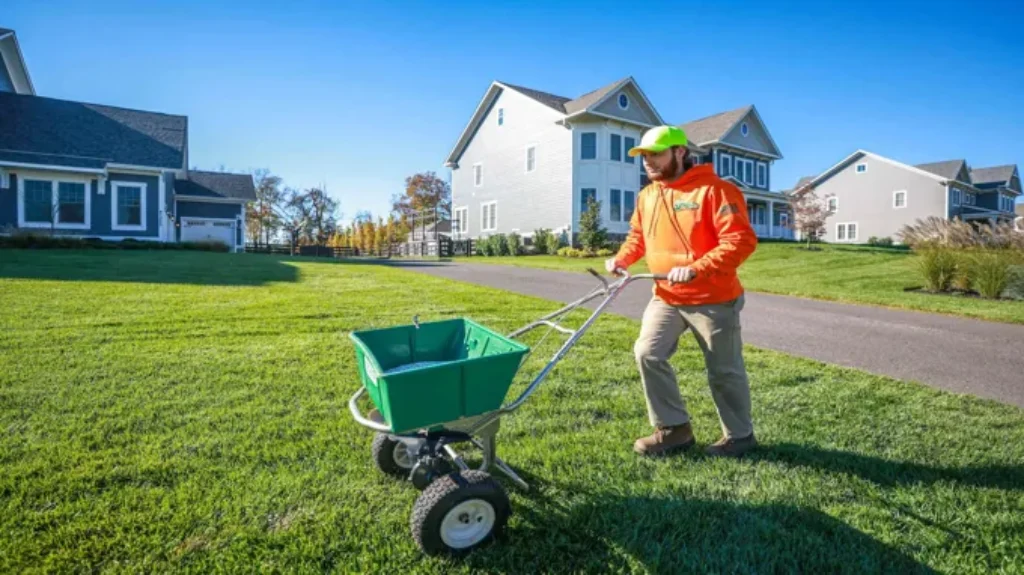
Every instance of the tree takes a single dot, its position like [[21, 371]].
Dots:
[[321, 210], [295, 220], [261, 218], [592, 236], [424, 191], [809, 213]]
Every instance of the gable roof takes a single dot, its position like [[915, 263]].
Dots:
[[715, 128], [64, 132], [567, 107], [864, 153], [948, 169], [15, 60], [220, 185], [802, 182], [993, 175]]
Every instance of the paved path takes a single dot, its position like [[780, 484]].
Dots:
[[960, 355]]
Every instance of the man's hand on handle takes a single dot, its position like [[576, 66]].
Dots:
[[612, 266], [681, 275]]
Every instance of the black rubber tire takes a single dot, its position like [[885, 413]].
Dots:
[[444, 467], [384, 456], [444, 494]]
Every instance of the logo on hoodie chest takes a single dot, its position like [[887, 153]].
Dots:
[[680, 205]]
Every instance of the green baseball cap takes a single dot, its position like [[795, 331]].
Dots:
[[659, 139]]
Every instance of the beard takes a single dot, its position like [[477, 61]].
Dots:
[[669, 173]]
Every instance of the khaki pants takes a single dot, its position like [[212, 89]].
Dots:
[[717, 330]]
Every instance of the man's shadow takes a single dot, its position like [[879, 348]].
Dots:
[[558, 527]]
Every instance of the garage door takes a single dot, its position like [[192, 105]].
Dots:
[[196, 230]]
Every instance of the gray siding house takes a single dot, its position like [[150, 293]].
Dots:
[[869, 195], [529, 159], [105, 172]]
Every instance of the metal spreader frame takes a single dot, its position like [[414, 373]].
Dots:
[[482, 430]]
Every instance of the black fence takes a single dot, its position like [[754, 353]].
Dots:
[[301, 250]]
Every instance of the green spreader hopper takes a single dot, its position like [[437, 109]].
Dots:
[[423, 375]]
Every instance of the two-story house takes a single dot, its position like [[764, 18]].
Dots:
[[869, 195], [529, 159], [106, 172]]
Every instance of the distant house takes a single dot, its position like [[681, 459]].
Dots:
[[870, 195], [529, 159], [91, 170]]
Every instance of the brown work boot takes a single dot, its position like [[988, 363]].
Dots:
[[734, 447], [666, 440]]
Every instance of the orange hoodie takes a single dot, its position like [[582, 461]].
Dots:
[[698, 220]]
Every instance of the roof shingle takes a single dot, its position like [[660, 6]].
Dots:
[[556, 103], [714, 127], [216, 185], [67, 131], [948, 169], [993, 175]]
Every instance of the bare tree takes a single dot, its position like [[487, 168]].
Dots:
[[322, 212], [262, 220]]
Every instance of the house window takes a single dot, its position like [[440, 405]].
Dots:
[[616, 148], [461, 223], [38, 201], [784, 219], [588, 146], [956, 197], [501, 116], [630, 144], [833, 204], [585, 195], [744, 129], [62, 203], [745, 171], [624, 101], [724, 165], [762, 175], [489, 217], [629, 204], [71, 202], [478, 175], [899, 199], [861, 168], [128, 204], [615, 206], [846, 232], [531, 158]]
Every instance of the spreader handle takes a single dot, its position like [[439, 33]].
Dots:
[[359, 416]]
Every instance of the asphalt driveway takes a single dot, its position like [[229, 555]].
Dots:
[[985, 359]]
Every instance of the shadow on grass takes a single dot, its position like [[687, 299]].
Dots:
[[891, 473], [144, 266], [559, 529]]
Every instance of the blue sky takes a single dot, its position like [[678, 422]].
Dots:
[[359, 95]]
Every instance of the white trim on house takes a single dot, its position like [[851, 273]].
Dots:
[[114, 185], [895, 195], [846, 228], [759, 169], [210, 199], [485, 217], [726, 157], [55, 181], [721, 144], [50, 167], [737, 161], [132, 168], [842, 163], [597, 146], [622, 84], [617, 119], [463, 222], [161, 217]]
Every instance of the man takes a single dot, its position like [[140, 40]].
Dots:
[[692, 226]]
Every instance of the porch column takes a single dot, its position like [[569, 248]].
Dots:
[[771, 219]]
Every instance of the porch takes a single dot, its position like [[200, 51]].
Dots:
[[770, 218]]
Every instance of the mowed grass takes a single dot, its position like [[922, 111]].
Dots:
[[174, 411], [850, 274]]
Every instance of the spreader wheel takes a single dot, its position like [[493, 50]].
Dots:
[[392, 457], [459, 512]]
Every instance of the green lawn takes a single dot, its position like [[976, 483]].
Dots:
[[186, 411], [852, 274]]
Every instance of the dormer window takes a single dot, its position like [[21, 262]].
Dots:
[[744, 129], [624, 101]]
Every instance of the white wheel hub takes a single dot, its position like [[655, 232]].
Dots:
[[467, 524], [400, 454]]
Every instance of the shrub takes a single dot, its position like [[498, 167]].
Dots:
[[499, 245], [876, 241], [938, 267], [991, 273], [30, 239], [552, 244], [515, 244], [963, 277], [605, 253], [592, 235], [540, 240], [484, 247], [1015, 285]]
